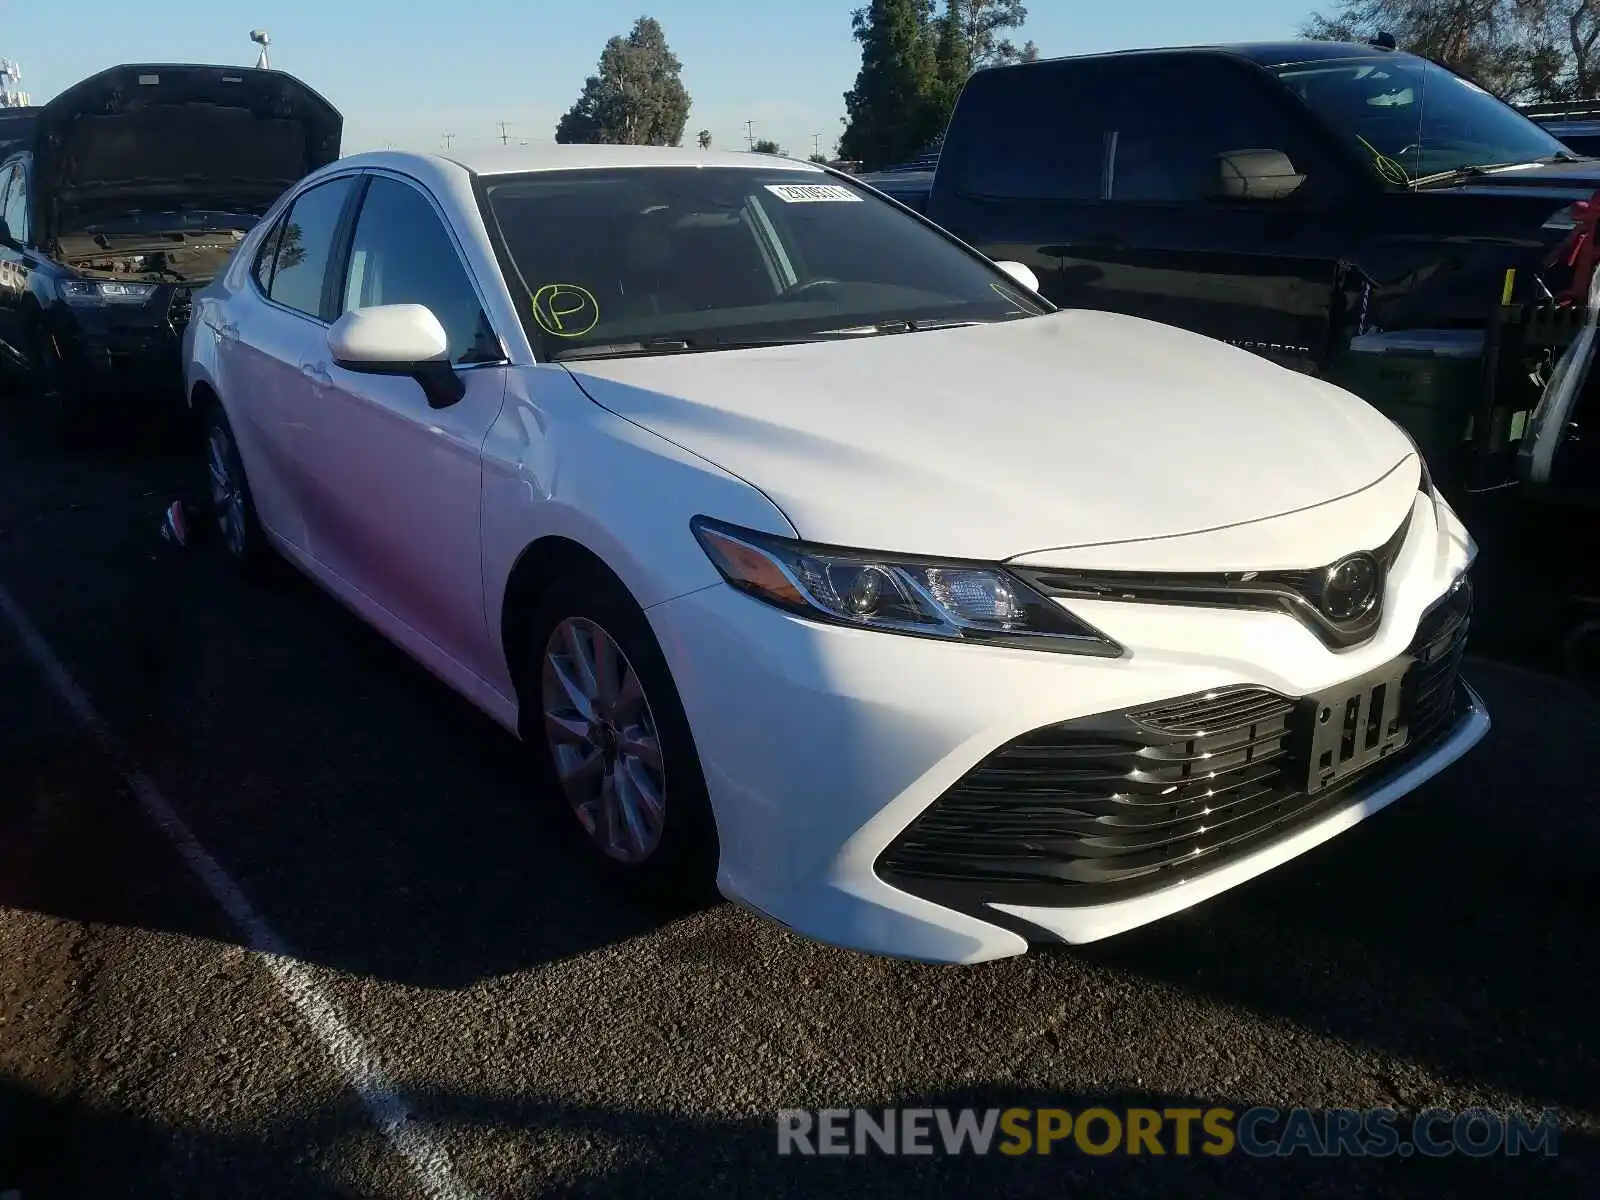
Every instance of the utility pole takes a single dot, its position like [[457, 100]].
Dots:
[[447, 138], [505, 138], [816, 144], [750, 134]]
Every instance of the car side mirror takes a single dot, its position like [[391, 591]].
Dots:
[[398, 339], [1255, 175], [1021, 273]]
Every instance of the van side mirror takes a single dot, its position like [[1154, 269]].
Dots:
[[1255, 175]]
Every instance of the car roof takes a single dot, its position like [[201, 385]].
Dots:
[[551, 156], [1262, 54]]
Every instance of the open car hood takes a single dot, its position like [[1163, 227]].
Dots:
[[16, 129], [163, 137]]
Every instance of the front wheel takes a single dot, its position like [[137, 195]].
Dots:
[[613, 742]]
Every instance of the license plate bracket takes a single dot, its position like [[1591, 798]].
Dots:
[[1356, 724]]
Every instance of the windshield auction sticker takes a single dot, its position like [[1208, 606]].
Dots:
[[813, 193], [565, 310]]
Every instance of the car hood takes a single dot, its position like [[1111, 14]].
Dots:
[[162, 137], [1072, 429]]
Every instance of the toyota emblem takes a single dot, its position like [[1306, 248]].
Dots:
[[1351, 587]]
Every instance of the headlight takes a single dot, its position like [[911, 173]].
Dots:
[[959, 601], [91, 291]]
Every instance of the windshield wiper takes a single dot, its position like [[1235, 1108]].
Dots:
[[620, 349], [682, 345], [1473, 170]]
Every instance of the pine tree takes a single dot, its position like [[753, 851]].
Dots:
[[888, 108], [637, 98]]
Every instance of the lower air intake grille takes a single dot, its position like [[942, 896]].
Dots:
[[1114, 805]]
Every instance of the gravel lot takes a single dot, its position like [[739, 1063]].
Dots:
[[547, 1038]]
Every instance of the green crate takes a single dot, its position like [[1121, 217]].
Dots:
[[1429, 381]]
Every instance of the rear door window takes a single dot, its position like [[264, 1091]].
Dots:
[[300, 262], [1028, 137]]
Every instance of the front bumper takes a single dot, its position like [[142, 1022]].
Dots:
[[827, 750], [115, 350]]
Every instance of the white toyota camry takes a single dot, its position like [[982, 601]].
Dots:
[[812, 552]]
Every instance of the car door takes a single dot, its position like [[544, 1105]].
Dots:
[[399, 483], [276, 323], [1161, 241]]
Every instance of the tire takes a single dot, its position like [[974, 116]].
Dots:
[[233, 510], [675, 860], [63, 407]]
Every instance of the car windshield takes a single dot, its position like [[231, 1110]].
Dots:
[[653, 260], [1412, 119]]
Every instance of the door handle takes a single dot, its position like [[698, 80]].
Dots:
[[316, 372]]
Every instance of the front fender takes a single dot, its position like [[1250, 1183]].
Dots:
[[556, 464]]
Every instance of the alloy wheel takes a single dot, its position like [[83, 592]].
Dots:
[[603, 740], [227, 491]]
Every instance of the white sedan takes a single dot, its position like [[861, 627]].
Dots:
[[815, 554]]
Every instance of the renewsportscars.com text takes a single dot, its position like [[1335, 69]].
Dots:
[[1257, 1132]]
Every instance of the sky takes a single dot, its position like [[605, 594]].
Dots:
[[407, 72]]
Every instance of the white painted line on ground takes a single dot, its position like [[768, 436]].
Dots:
[[425, 1156]]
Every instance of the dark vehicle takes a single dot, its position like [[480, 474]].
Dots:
[[1297, 199], [131, 190], [1576, 123]]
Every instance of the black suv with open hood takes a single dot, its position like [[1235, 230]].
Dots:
[[133, 189]]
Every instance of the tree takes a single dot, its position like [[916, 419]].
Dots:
[[1521, 50], [704, 138], [765, 146], [636, 99], [915, 60], [819, 158], [888, 110]]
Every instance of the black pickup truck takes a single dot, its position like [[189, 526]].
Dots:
[[1285, 197]]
